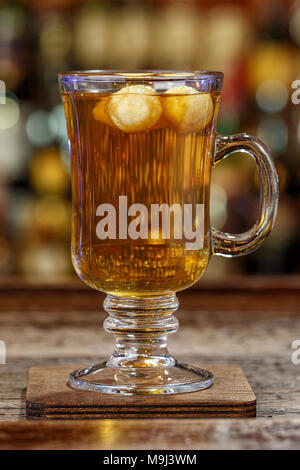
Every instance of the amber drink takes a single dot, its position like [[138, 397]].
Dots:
[[163, 156]]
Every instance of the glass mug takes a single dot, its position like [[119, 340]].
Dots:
[[142, 147]]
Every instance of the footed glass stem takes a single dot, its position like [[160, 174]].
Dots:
[[141, 363]]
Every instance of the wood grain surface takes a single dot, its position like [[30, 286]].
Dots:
[[250, 322], [49, 397]]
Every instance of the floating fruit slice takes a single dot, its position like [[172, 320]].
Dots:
[[134, 108], [99, 112], [187, 113]]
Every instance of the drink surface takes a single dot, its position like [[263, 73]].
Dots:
[[152, 149]]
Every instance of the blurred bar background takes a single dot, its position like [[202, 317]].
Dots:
[[255, 43]]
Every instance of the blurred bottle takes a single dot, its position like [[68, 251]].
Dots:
[[48, 174], [43, 249], [13, 53], [270, 72]]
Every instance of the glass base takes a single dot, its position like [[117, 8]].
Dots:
[[178, 377], [141, 363]]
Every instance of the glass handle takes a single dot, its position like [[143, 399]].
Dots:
[[227, 244]]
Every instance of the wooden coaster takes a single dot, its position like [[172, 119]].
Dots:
[[49, 397]]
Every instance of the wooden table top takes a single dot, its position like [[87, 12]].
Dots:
[[250, 322]]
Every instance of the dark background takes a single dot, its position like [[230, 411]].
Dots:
[[255, 43]]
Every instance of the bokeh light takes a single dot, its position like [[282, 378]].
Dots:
[[38, 130], [218, 212], [92, 35], [9, 114], [255, 44], [55, 39], [47, 260], [294, 26], [272, 95], [12, 22], [274, 132], [57, 123], [52, 215], [47, 172]]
